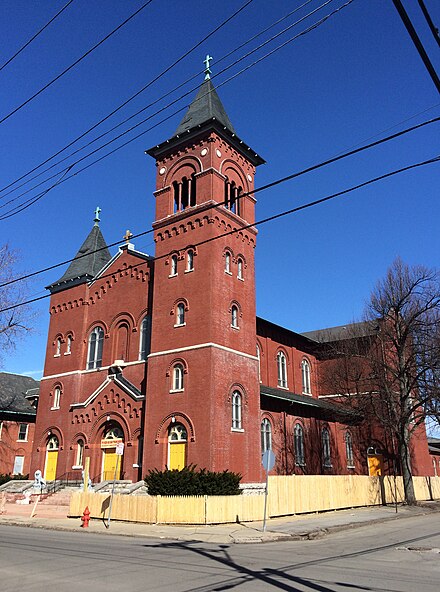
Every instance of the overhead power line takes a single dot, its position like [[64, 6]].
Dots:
[[428, 18], [165, 95], [257, 190], [36, 35], [416, 40], [264, 220], [76, 62], [17, 209]]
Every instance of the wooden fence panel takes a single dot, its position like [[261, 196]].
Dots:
[[234, 508], [181, 509], [133, 508]]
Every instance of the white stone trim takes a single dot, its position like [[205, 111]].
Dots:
[[73, 372], [202, 346]]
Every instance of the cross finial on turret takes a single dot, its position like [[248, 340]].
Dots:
[[97, 212], [207, 68]]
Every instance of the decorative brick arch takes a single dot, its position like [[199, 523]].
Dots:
[[183, 418], [99, 425], [184, 166]]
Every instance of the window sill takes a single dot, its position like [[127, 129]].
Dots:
[[240, 430], [54, 408], [177, 390], [351, 467], [189, 270], [241, 279], [173, 275], [302, 465], [234, 327], [307, 394], [180, 325], [22, 440], [67, 353], [327, 466], [286, 388], [77, 467], [57, 355], [228, 272]]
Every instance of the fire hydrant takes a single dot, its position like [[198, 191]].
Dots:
[[85, 518]]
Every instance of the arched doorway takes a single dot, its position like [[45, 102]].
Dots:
[[111, 462], [177, 439], [50, 468]]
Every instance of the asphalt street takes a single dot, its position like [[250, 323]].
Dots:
[[398, 556]]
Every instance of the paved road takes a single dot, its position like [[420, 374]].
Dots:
[[374, 558]]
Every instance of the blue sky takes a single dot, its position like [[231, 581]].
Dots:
[[345, 82]]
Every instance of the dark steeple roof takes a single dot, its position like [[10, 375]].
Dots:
[[90, 259], [205, 113], [206, 106]]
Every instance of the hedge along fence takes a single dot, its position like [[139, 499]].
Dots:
[[296, 494]]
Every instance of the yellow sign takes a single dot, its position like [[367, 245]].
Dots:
[[111, 443]]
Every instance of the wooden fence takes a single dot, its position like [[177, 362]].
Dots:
[[287, 496]]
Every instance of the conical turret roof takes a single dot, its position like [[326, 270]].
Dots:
[[90, 259], [206, 106]]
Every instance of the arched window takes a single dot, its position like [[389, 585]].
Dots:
[[69, 344], [232, 195], [305, 374], [298, 437], [173, 265], [240, 269], [58, 346], [79, 453], [326, 451], [189, 260], [144, 341], [178, 377], [177, 443], [53, 443], [180, 314], [259, 362], [227, 262], [282, 370], [349, 449], [184, 193], [56, 397], [266, 435], [234, 316], [96, 341], [236, 411], [121, 339]]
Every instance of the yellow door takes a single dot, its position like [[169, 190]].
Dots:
[[177, 455], [51, 465], [112, 463], [375, 465]]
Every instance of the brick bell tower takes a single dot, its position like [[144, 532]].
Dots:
[[203, 401]]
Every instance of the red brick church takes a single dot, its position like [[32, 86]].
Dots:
[[166, 355]]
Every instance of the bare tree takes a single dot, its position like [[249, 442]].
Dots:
[[14, 323], [389, 364]]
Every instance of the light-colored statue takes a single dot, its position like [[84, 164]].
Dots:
[[39, 483]]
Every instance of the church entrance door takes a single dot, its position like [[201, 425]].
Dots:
[[111, 462], [50, 470], [177, 447]]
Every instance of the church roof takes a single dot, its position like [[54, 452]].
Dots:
[[90, 259], [206, 106]]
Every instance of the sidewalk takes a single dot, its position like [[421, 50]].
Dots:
[[305, 526]]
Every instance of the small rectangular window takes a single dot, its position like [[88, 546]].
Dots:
[[23, 432], [18, 465]]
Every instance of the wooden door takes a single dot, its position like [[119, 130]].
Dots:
[[177, 455], [112, 463], [375, 464], [50, 471]]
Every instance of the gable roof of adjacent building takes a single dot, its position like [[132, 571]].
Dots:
[[13, 391]]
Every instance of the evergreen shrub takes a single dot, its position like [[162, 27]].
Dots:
[[192, 481], [5, 478]]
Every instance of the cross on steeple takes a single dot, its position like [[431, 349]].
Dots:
[[207, 68], [97, 212], [127, 236]]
